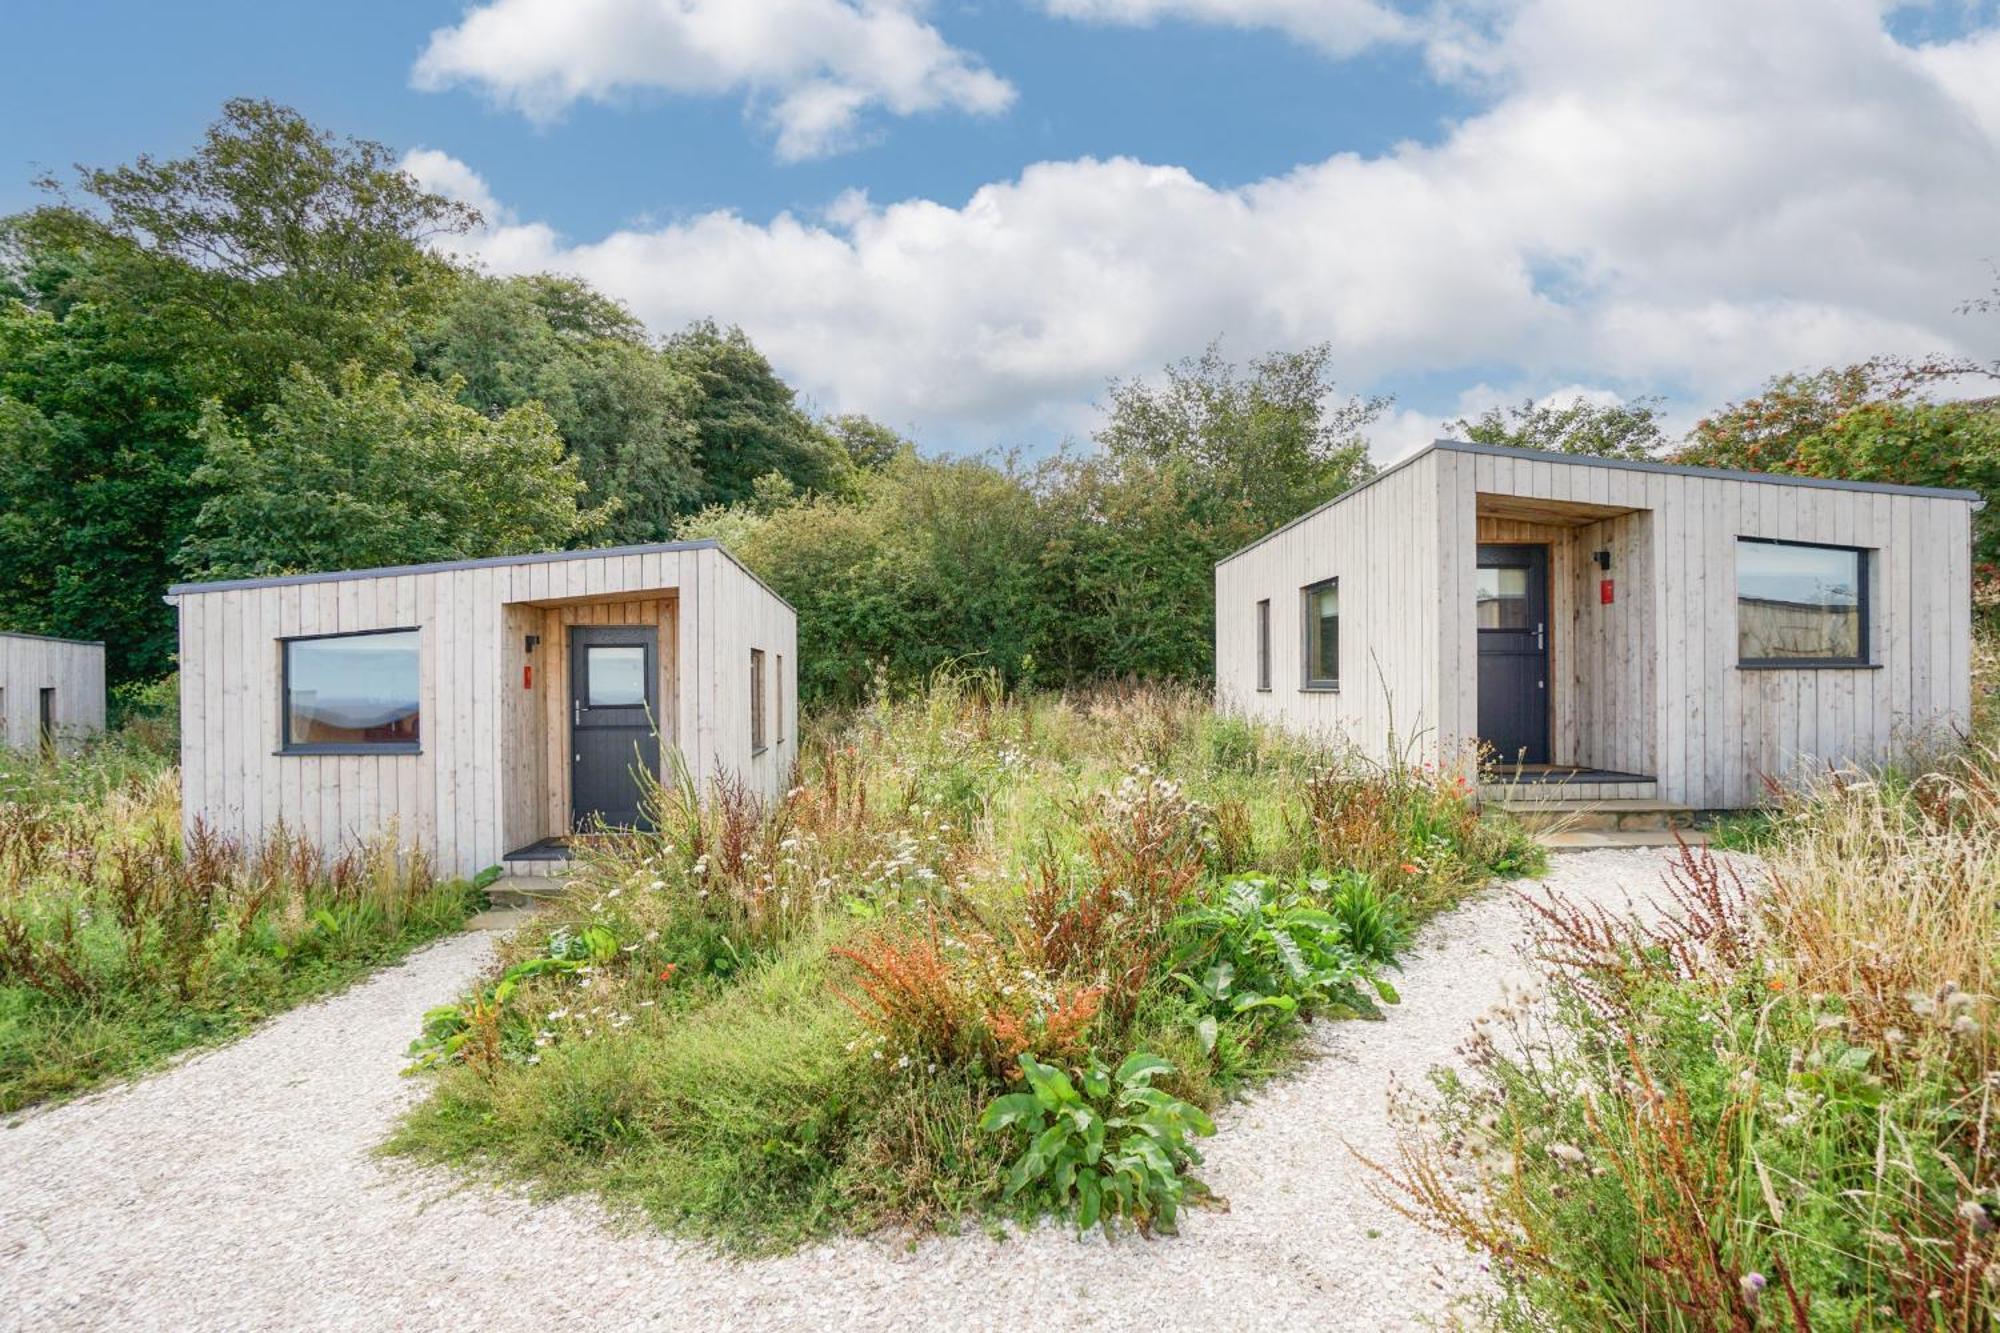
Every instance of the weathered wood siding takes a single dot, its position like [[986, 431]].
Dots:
[[1709, 730], [1649, 684], [31, 663], [492, 773], [1380, 543]]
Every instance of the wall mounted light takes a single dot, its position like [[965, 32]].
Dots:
[[1603, 560]]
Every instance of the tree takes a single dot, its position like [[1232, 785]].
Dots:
[[1604, 430], [170, 285], [747, 421], [1267, 446], [624, 410], [868, 444], [379, 470], [1765, 432]]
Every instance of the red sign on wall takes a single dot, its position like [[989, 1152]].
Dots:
[[1604, 592]]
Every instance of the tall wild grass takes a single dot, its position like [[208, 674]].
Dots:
[[1773, 1108], [761, 1024]]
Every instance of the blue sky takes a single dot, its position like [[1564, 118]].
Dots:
[[1471, 202]]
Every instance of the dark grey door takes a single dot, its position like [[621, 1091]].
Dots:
[[614, 729], [1513, 618]]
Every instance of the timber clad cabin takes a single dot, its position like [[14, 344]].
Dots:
[[480, 710], [1636, 630], [51, 692]]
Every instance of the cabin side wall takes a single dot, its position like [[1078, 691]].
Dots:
[[75, 671], [732, 613], [1717, 729], [1381, 544]]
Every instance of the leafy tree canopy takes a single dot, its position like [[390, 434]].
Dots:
[[747, 420], [1628, 430], [376, 470]]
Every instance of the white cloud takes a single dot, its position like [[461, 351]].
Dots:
[[813, 68], [1339, 27], [1679, 196]]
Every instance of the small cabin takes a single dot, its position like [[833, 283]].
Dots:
[[51, 692], [1635, 630], [481, 710]]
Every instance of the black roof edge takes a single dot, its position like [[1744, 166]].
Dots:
[[50, 638], [481, 562], [1625, 464]]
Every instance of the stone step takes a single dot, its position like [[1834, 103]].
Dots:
[[1585, 840], [1597, 816], [523, 890], [1540, 792]]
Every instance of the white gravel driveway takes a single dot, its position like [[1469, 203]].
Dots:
[[238, 1190]]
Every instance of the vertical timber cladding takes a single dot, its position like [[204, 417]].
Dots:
[[1381, 541], [1648, 683], [71, 669], [487, 777], [1663, 694]]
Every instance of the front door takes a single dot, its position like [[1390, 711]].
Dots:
[[614, 730], [1513, 612]]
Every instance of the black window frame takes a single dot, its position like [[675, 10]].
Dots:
[[1864, 566], [287, 746], [1309, 633], [1264, 646]]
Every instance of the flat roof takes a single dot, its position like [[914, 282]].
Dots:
[[50, 638], [1624, 464], [481, 562]]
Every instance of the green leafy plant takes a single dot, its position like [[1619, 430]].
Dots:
[[1259, 949], [1114, 1148]]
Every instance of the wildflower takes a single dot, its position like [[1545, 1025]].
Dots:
[[1753, 1287], [1775, 983], [1566, 1154], [1974, 1215], [667, 972], [1410, 868]]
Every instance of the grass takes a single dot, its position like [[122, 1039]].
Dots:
[[1769, 1110], [120, 947], [763, 1026]]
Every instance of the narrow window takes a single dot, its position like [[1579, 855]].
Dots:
[[756, 699], [1800, 604], [351, 693], [778, 699], [1264, 644], [1322, 608], [6, 723], [48, 727]]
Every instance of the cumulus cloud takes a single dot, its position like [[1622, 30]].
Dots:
[[812, 68], [1682, 196], [1339, 27]]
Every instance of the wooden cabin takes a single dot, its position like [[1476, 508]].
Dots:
[[1636, 630], [51, 692], [482, 710]]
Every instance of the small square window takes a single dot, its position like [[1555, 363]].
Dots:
[[1322, 617]]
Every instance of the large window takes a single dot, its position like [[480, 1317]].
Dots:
[[1322, 608], [351, 693], [1800, 605], [1264, 644]]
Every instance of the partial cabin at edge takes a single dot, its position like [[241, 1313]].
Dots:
[[480, 708], [51, 691], [1682, 633]]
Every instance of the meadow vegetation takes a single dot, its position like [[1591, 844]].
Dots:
[[122, 944], [997, 954], [1773, 1107]]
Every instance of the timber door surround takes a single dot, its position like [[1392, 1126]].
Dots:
[[1512, 615], [614, 731]]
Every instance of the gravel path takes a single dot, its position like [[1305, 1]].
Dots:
[[238, 1190]]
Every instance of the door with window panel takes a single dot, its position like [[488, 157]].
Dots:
[[1512, 612], [614, 723]]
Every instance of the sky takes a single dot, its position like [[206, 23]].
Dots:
[[966, 218]]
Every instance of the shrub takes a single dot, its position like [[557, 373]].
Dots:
[[1114, 1149]]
